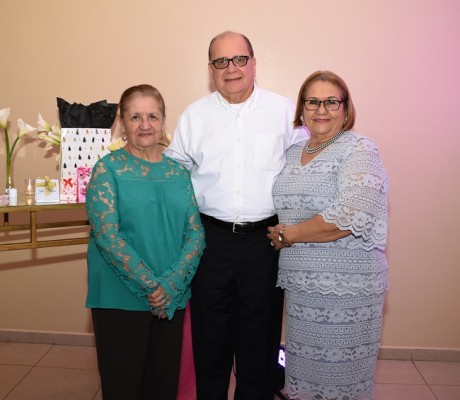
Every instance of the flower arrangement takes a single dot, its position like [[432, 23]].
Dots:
[[23, 129], [50, 134]]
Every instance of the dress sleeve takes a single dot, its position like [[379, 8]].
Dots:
[[361, 203], [102, 211], [177, 279]]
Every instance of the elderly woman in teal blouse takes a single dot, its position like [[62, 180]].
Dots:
[[145, 244]]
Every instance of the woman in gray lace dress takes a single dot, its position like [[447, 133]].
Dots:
[[331, 199]]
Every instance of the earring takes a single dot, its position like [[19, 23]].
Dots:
[[162, 135], [301, 118], [123, 137]]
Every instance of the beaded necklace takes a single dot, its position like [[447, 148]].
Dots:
[[322, 146]]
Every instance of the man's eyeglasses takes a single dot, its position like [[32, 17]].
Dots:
[[315, 104], [222, 63]]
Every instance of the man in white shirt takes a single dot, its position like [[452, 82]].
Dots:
[[233, 141]]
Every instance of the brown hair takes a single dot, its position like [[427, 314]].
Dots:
[[143, 90], [344, 92], [230, 33]]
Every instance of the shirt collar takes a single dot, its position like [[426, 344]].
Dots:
[[246, 104]]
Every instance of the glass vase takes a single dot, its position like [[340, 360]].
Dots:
[[9, 176]]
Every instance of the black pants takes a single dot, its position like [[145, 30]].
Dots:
[[236, 315], [138, 354]]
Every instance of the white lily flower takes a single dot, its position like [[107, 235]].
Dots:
[[43, 136], [56, 129], [55, 133], [50, 138], [4, 113], [43, 126], [55, 138], [48, 133], [24, 128]]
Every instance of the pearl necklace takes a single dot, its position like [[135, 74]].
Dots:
[[324, 145]]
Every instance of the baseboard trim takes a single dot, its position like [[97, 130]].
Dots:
[[419, 354], [87, 339], [61, 338]]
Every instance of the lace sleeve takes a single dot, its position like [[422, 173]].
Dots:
[[177, 279], [102, 211], [361, 204]]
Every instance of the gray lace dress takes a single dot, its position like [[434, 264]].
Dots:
[[334, 291]]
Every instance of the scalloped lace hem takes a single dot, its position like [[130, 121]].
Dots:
[[373, 233], [330, 393], [332, 283]]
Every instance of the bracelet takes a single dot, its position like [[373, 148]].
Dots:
[[282, 237]]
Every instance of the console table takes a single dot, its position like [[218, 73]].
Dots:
[[27, 206]]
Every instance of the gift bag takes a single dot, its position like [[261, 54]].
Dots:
[[81, 148], [83, 177], [100, 114]]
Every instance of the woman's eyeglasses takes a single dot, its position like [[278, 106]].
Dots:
[[315, 104]]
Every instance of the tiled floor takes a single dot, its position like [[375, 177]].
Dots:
[[47, 372]]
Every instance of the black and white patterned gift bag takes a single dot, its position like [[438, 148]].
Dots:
[[80, 147]]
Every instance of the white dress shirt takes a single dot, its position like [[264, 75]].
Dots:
[[235, 151]]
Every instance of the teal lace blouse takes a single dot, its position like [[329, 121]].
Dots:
[[145, 232]]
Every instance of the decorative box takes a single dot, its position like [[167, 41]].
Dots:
[[68, 189], [80, 147], [83, 177], [46, 190]]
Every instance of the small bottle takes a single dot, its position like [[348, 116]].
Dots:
[[13, 196]]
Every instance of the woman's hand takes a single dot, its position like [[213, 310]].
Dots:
[[274, 236], [157, 301]]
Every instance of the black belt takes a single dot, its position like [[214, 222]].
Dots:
[[242, 227]]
